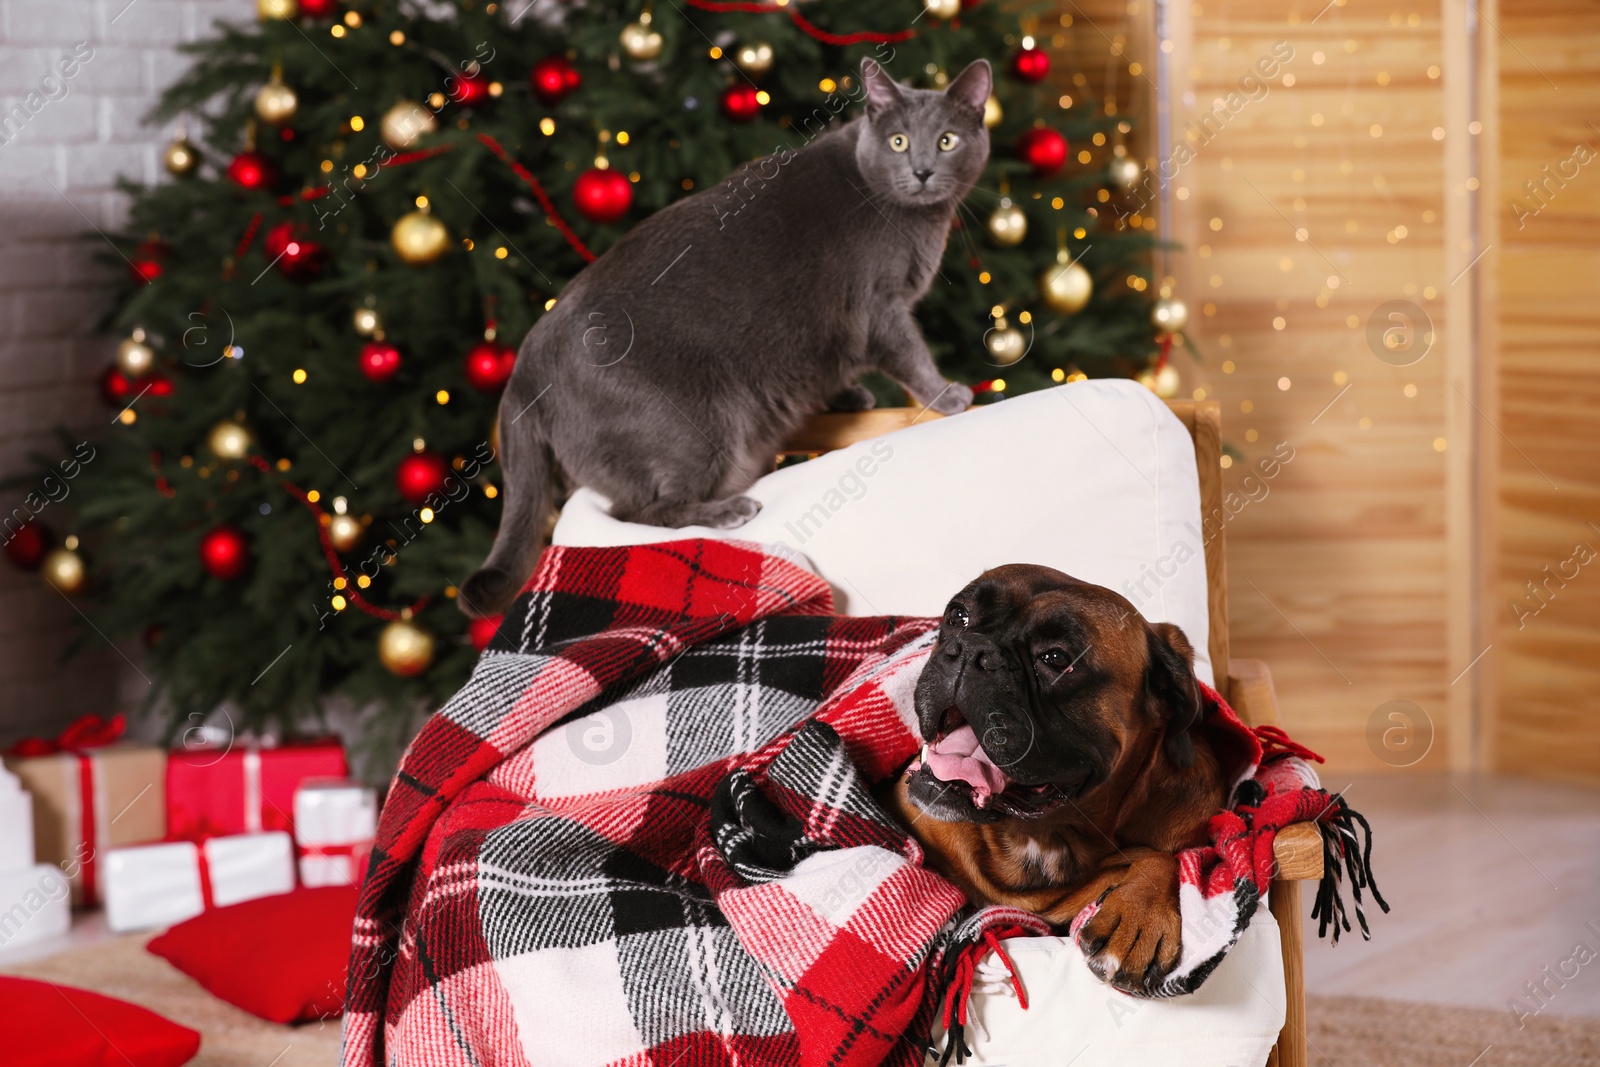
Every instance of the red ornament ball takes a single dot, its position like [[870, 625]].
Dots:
[[468, 89], [145, 266], [27, 545], [160, 384], [482, 631], [115, 387], [1031, 64], [225, 552], [1043, 149], [380, 361], [488, 366], [602, 195], [740, 102], [421, 475], [252, 170], [553, 77], [318, 9], [292, 252]]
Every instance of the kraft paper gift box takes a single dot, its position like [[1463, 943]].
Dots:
[[243, 788], [335, 821], [166, 883], [91, 792]]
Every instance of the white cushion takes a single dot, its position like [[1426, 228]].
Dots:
[[1074, 1018], [1095, 478]]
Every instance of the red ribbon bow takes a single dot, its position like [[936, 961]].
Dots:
[[86, 731]]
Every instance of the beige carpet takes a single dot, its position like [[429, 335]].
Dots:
[[230, 1037], [1344, 1031]]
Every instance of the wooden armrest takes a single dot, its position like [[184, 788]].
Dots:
[[1298, 848], [1250, 692], [835, 429], [1298, 852]]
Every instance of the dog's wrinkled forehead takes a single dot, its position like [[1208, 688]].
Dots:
[[1045, 603]]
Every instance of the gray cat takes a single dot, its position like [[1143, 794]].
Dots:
[[673, 367]]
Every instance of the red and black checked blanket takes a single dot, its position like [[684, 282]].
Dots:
[[643, 834]]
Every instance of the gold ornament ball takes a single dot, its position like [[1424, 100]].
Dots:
[[406, 123], [992, 111], [494, 436], [405, 648], [276, 103], [942, 9], [64, 569], [640, 41], [180, 158], [135, 358], [1005, 345], [1124, 172], [419, 238], [1066, 287], [229, 440], [1169, 315], [366, 321], [1167, 382], [754, 59], [1008, 225], [277, 9], [345, 532]]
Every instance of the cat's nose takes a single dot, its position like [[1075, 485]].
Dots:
[[923, 175]]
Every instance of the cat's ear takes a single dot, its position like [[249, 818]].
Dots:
[[882, 92], [972, 86]]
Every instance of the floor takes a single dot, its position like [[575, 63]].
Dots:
[[1494, 883]]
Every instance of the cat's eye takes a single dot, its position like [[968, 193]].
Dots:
[[947, 141], [899, 142]]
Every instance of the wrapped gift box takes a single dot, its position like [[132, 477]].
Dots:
[[243, 788], [90, 793], [166, 883], [35, 903], [16, 824], [335, 820]]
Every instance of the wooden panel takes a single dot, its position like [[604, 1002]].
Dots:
[[1308, 207], [1549, 274]]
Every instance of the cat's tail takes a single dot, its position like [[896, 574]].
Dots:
[[525, 466]]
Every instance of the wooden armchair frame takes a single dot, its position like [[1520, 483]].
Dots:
[[1246, 683]]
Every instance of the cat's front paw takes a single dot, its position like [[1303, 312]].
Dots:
[[952, 400], [729, 513], [853, 398]]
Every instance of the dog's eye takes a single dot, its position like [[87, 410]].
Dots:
[[956, 615], [899, 142], [1056, 659], [947, 141]]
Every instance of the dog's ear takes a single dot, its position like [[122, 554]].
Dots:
[[1171, 688]]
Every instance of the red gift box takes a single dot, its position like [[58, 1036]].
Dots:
[[245, 788]]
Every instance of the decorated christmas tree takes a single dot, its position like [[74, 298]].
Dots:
[[371, 205]]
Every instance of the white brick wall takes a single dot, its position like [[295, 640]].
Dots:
[[57, 172]]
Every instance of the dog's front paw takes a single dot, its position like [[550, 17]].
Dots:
[[953, 400], [1132, 941]]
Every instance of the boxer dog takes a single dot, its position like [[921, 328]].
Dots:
[[1059, 768]]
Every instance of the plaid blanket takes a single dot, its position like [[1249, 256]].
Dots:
[[644, 833]]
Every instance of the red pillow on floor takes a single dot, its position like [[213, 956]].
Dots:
[[47, 1025], [282, 958]]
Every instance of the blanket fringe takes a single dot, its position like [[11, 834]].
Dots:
[[1344, 847], [957, 973]]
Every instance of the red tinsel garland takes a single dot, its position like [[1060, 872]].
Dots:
[[538, 191], [335, 564], [816, 32]]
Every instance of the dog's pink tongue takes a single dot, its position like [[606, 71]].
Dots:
[[957, 757]]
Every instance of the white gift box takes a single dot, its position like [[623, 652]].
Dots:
[[35, 903], [335, 820], [166, 883], [16, 825]]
